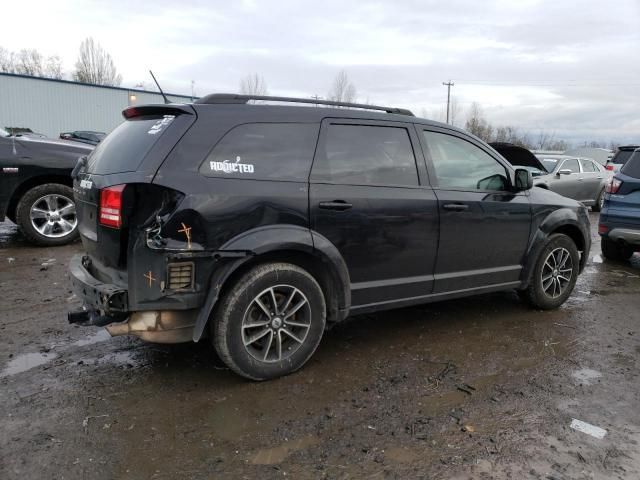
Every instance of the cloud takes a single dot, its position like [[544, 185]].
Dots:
[[564, 66]]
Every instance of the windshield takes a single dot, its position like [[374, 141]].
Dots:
[[4, 133], [550, 163], [621, 157], [632, 167]]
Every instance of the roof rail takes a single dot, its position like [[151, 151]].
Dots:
[[230, 98]]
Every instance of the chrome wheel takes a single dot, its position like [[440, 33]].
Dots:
[[557, 272], [53, 216], [276, 323]]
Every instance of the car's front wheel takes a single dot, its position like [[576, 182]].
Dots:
[[270, 322], [46, 214], [554, 274], [614, 251]]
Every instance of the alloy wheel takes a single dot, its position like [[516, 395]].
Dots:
[[557, 272], [53, 216], [276, 323]]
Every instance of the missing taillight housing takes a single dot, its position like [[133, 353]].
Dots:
[[613, 185], [111, 206]]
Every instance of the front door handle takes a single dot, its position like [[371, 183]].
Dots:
[[456, 207], [339, 205]]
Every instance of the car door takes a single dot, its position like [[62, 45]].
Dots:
[[484, 226], [568, 185], [592, 180], [370, 199]]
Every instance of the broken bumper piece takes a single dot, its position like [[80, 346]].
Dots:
[[95, 294]]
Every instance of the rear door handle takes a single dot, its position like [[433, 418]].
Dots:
[[339, 205]]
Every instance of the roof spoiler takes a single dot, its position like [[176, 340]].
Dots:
[[232, 98], [171, 109]]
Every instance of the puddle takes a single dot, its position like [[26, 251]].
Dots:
[[586, 376], [25, 362], [275, 455]]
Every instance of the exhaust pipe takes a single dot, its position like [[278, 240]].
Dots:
[[92, 317], [81, 317]]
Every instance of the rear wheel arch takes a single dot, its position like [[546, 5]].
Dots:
[[31, 183]]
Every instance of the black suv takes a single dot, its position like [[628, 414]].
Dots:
[[259, 224], [36, 188]]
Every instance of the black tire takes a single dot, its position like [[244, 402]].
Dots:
[[540, 293], [32, 198], [615, 251], [238, 309], [598, 205]]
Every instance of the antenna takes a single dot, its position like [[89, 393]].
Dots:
[[166, 100]]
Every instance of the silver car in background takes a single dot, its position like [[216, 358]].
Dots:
[[582, 179], [579, 178]]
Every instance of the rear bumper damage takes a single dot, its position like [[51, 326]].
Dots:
[[107, 305]]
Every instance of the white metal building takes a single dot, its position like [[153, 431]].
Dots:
[[51, 106]]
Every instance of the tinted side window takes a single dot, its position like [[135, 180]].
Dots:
[[588, 166], [264, 151], [366, 155], [571, 164], [460, 164]]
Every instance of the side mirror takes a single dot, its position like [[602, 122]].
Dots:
[[524, 179], [564, 171]]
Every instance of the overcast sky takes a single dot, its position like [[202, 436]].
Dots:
[[569, 67]]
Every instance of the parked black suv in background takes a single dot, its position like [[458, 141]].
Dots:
[[256, 225], [35, 186]]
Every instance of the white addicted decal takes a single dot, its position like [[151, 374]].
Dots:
[[228, 167], [10, 170], [161, 124]]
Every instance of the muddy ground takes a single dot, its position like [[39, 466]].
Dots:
[[477, 388]]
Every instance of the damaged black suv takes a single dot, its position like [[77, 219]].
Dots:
[[257, 225]]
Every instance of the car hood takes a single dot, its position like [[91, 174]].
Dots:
[[518, 156]]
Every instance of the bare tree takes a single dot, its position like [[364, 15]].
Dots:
[[53, 67], [30, 62], [95, 65], [253, 84], [342, 89], [477, 124], [7, 61]]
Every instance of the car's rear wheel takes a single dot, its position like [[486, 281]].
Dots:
[[270, 322], [46, 214], [614, 251], [599, 202], [554, 274]]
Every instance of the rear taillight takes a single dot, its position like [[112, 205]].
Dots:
[[613, 186], [111, 206], [609, 167], [603, 229]]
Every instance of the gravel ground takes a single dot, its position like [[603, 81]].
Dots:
[[482, 387]]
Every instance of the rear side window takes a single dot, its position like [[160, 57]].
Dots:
[[366, 155], [632, 167], [264, 151], [588, 166], [124, 149]]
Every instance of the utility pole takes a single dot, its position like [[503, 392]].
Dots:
[[449, 84]]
